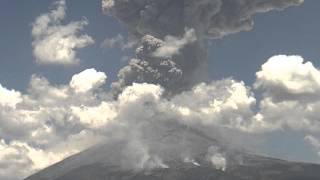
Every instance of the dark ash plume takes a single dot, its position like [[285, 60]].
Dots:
[[170, 71], [210, 18], [160, 18]]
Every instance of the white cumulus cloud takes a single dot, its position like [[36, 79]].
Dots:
[[285, 77], [56, 43], [50, 122], [41, 127], [291, 94], [87, 80], [9, 97]]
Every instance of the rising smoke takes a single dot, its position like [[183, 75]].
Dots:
[[155, 20], [141, 129], [173, 54]]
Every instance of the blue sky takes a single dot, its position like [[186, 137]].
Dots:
[[16, 50], [294, 31]]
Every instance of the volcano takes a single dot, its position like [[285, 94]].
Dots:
[[101, 162]]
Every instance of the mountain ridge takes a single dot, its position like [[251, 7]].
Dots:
[[102, 162]]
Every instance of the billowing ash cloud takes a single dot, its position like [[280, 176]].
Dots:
[[149, 68], [208, 19], [142, 129], [170, 62]]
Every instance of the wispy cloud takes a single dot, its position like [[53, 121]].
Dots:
[[118, 41], [172, 45], [56, 43], [314, 142]]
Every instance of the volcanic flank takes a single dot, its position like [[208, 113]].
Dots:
[[166, 72], [97, 163]]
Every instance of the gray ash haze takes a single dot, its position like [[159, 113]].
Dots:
[[161, 19], [162, 105]]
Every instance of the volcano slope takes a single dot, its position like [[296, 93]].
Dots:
[[102, 163]]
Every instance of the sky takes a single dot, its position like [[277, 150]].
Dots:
[[41, 112], [289, 32]]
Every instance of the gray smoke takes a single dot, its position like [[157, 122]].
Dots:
[[210, 18], [172, 72], [162, 18], [173, 54]]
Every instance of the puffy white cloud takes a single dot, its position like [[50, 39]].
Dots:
[[225, 103], [289, 77], [56, 123], [55, 43], [291, 94], [87, 80], [13, 161], [40, 128], [19, 159], [9, 97], [51, 122], [149, 92], [296, 115], [97, 116]]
